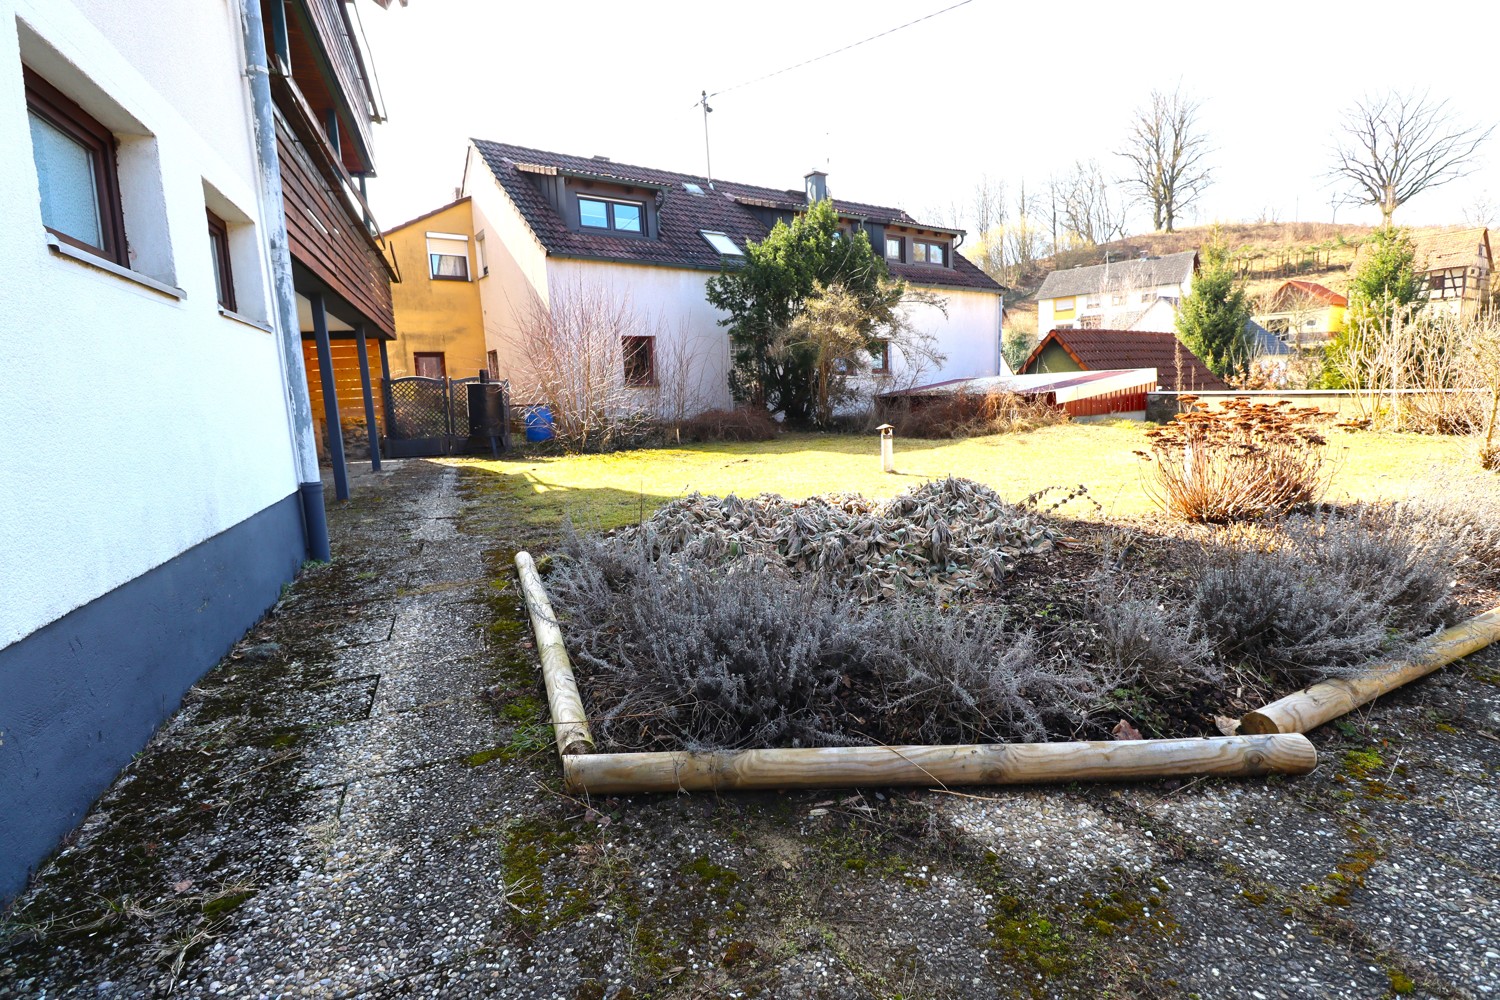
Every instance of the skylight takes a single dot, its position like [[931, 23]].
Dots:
[[691, 188], [722, 243]]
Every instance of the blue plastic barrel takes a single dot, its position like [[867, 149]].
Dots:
[[538, 424]]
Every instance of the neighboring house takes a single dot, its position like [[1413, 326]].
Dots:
[[1262, 343], [439, 323], [562, 227], [1456, 268], [1177, 368], [1115, 295], [1303, 314], [325, 109], [160, 481]]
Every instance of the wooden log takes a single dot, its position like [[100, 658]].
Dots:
[[984, 764], [569, 723], [1306, 710]]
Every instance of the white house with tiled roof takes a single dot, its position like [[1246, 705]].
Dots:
[[1117, 295], [556, 226]]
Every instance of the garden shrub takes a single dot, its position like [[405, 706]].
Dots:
[[1322, 595], [743, 423], [968, 414], [1243, 461], [679, 652], [1142, 642], [1464, 511]]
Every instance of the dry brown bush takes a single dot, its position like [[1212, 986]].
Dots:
[[744, 423], [969, 414], [1241, 462]]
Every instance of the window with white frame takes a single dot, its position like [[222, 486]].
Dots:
[[722, 243], [448, 256]]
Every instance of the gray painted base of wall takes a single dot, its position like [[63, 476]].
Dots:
[[80, 696]]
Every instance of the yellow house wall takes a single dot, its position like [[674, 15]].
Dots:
[[436, 316]]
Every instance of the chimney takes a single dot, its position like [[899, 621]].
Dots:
[[816, 183]]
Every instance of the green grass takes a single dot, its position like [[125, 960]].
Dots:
[[607, 491]]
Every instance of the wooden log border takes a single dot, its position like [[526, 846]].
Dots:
[[1306, 710], [585, 771]]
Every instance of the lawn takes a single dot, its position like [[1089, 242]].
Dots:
[[607, 491]]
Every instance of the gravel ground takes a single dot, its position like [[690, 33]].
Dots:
[[361, 801]]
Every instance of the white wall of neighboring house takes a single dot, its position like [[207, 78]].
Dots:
[[139, 420], [1159, 317], [968, 337], [1103, 305]]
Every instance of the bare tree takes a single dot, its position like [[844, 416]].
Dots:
[[1396, 146], [606, 371], [986, 244], [1025, 242], [1166, 148], [1089, 212], [1483, 211]]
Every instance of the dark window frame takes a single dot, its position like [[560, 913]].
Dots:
[[609, 214], [64, 114], [631, 348], [416, 362], [922, 252], [218, 239], [432, 259], [882, 355], [900, 242]]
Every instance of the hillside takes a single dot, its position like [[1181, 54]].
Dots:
[[1268, 253]]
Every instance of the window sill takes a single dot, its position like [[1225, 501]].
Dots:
[[61, 249], [241, 318], [448, 277]]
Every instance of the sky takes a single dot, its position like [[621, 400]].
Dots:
[[1012, 91]]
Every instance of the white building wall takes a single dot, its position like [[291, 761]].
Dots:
[[968, 337], [671, 304], [137, 423]]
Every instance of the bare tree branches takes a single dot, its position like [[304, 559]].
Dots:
[[1087, 209], [1397, 146], [1166, 148]]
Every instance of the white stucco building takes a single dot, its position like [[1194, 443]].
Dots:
[[556, 227], [156, 456], [1141, 294]]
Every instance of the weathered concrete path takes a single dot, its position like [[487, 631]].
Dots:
[[361, 802]]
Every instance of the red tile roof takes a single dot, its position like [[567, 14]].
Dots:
[[1305, 290], [1177, 368], [725, 208]]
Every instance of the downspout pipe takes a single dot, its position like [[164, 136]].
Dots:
[[288, 329]]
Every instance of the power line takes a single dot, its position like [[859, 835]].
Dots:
[[846, 48]]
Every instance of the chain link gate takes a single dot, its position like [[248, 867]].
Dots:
[[437, 416]]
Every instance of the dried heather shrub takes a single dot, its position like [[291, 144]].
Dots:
[[682, 653], [1142, 642], [1323, 595], [943, 675], [1464, 510]]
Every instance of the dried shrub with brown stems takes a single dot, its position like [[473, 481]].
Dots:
[[743, 423], [968, 414], [1240, 462]]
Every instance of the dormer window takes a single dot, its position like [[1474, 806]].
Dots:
[[722, 243], [895, 248], [924, 252], [607, 213]]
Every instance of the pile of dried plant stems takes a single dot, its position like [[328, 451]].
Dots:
[[826, 767], [1309, 708]]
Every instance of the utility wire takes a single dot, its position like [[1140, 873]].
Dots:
[[846, 48]]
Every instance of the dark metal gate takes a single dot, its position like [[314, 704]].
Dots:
[[439, 416]]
